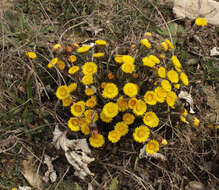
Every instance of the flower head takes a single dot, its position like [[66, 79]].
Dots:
[[132, 102], [53, 62], [151, 119], [72, 87], [128, 118], [128, 59], [91, 102], [87, 79], [140, 108], [62, 92], [164, 46], [89, 68], [114, 136], [61, 65], [146, 43], [173, 76], [130, 89], [78, 108], [201, 21], [184, 78], [176, 63], [67, 101], [88, 115], [85, 129], [104, 118], [97, 140], [121, 128], [110, 91], [118, 59], [161, 72], [89, 91], [150, 97], [152, 146], [72, 70], [128, 67], [177, 86], [72, 58], [122, 103], [141, 134], [196, 122], [148, 62], [154, 58], [148, 34], [110, 76], [170, 45], [161, 94], [83, 49], [110, 109], [31, 54], [165, 84], [56, 47], [97, 55], [101, 42], [74, 124], [171, 99]]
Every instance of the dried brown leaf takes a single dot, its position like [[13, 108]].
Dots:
[[30, 173]]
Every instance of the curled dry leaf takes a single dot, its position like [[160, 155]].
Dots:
[[24, 188], [214, 51], [195, 185], [144, 154], [76, 151], [188, 98], [50, 173], [29, 171]]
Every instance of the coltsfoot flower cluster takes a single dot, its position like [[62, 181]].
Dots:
[[112, 95]]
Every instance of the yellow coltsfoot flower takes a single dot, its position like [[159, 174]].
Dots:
[[78, 108], [150, 97], [83, 49], [74, 124], [200, 21], [110, 90], [146, 43], [89, 68], [141, 134], [31, 54], [62, 92], [130, 89], [173, 76], [114, 136], [150, 119], [111, 109], [152, 147], [97, 141], [128, 118], [121, 128]]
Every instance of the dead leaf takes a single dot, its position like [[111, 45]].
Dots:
[[50, 173], [24, 188], [214, 51], [195, 185], [196, 8], [30, 173], [186, 96], [76, 151]]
